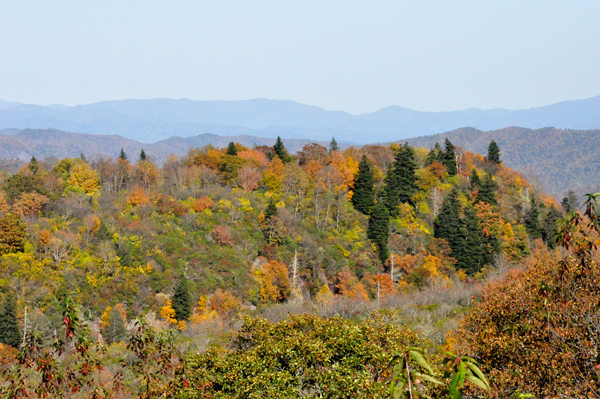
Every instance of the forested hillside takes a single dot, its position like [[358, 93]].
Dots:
[[43, 143], [219, 232], [564, 159]]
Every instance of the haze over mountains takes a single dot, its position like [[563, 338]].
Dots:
[[150, 121]]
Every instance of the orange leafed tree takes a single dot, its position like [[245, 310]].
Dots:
[[274, 282], [255, 158], [348, 285], [137, 197], [30, 204], [201, 204]]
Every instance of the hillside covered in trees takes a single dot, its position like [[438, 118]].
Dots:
[[190, 246], [564, 159]]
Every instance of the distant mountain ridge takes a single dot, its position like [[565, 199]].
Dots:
[[158, 119], [562, 158], [42, 143]]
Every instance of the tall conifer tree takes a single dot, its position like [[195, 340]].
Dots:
[[401, 180], [493, 154], [231, 149], [9, 329], [333, 146], [280, 150], [122, 155], [474, 180], [449, 160], [143, 155], [434, 155], [487, 190], [378, 230], [532, 220], [182, 300], [363, 194], [271, 210], [570, 202]]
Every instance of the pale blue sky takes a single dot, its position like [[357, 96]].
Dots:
[[356, 56]]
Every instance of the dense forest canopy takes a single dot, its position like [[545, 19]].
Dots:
[[190, 244]]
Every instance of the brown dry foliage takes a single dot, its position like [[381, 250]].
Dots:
[[538, 330]]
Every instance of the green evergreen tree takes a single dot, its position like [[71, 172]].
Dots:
[[464, 235], [143, 156], [363, 196], [182, 300], [400, 183], [123, 156], [378, 230], [448, 224], [231, 149], [475, 252], [449, 159], [271, 210], [34, 166], [281, 151], [474, 180], [435, 155], [532, 220], [550, 228], [570, 203], [487, 190], [9, 329], [115, 331], [493, 154], [333, 146], [82, 157]]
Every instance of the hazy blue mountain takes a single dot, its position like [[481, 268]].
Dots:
[[158, 119], [7, 104], [43, 143]]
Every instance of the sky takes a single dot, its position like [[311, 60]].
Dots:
[[356, 56]]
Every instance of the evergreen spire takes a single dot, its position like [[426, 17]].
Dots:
[[333, 146], [532, 220], [9, 329], [363, 194], [182, 300], [271, 210], [449, 159], [470, 246], [281, 151], [487, 190], [231, 149], [435, 155], [474, 180], [34, 165], [400, 181], [143, 155], [549, 228], [570, 202], [493, 154], [378, 230], [123, 156]]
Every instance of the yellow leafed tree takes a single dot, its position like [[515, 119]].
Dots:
[[85, 178]]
